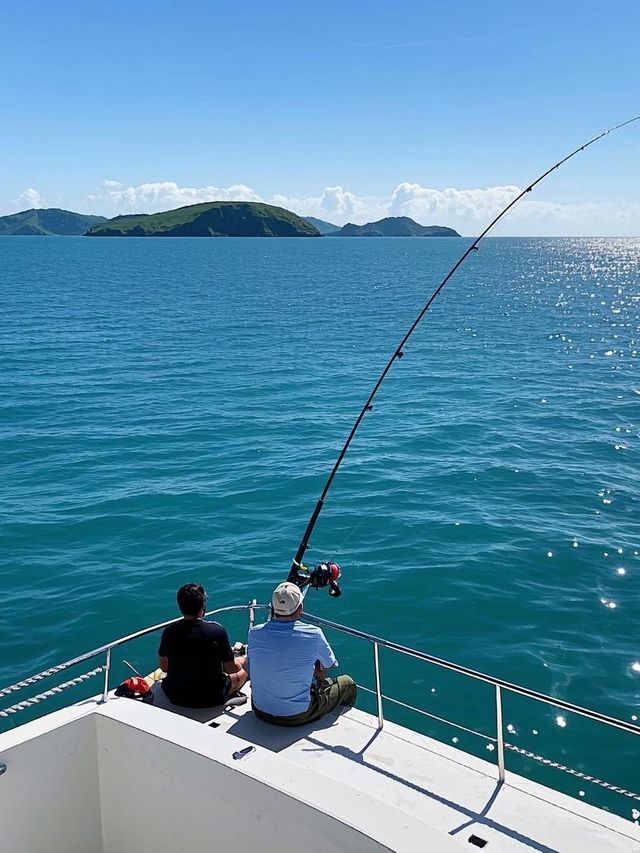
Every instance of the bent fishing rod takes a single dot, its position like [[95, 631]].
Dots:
[[327, 574]]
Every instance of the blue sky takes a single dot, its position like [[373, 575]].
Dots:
[[344, 110]]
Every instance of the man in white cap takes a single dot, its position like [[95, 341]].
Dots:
[[287, 660]]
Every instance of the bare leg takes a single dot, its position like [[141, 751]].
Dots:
[[237, 680]]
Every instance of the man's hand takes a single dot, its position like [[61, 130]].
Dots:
[[319, 671], [235, 665]]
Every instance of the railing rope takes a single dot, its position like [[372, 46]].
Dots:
[[578, 774], [20, 685], [40, 697]]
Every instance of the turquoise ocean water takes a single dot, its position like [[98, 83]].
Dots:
[[171, 408]]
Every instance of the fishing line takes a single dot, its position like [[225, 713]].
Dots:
[[398, 353], [353, 529]]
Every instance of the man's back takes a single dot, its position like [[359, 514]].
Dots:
[[196, 651], [282, 655]]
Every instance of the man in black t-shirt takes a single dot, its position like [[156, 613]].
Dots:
[[197, 657]]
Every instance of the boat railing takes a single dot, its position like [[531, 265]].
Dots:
[[500, 687], [106, 650]]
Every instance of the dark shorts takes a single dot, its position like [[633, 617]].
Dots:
[[326, 696], [226, 689]]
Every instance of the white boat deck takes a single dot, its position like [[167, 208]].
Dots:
[[124, 776], [455, 793]]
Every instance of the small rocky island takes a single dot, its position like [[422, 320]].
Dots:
[[394, 226], [212, 219]]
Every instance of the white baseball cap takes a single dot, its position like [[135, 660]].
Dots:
[[286, 599]]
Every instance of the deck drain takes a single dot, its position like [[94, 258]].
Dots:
[[477, 841]]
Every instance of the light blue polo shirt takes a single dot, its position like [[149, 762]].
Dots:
[[281, 658]]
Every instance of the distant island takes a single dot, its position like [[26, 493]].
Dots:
[[393, 226], [50, 221], [213, 219], [322, 226]]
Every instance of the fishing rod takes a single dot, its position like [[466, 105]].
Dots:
[[327, 574]]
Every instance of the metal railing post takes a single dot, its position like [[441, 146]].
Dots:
[[252, 613], [500, 735], [107, 670], [376, 667]]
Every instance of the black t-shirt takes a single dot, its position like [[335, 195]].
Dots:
[[196, 651]]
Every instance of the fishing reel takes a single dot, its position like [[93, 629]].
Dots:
[[321, 576]]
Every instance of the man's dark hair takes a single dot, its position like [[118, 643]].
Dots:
[[191, 599]]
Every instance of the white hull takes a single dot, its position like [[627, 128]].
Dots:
[[122, 776]]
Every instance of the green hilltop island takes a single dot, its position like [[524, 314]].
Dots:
[[393, 226], [212, 219], [47, 222]]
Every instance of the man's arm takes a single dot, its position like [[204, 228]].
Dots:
[[326, 658], [163, 651], [230, 663], [319, 671]]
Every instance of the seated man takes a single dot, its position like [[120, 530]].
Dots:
[[201, 669], [283, 657]]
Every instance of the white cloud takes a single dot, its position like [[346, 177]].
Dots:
[[30, 198], [419, 202], [165, 195], [466, 210], [337, 205], [424, 204]]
